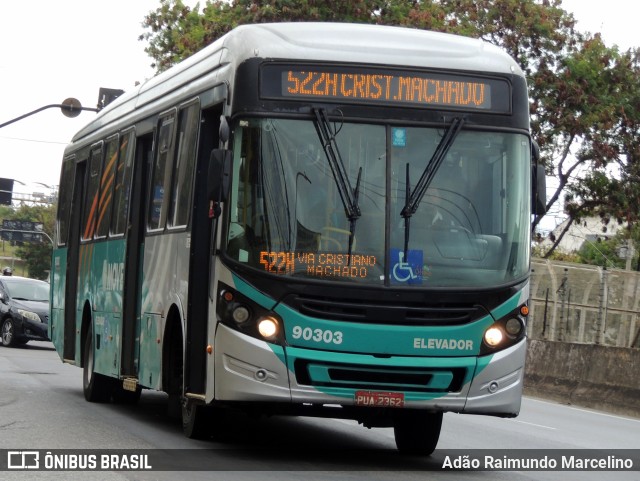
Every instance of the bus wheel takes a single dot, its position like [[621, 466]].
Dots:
[[417, 432], [96, 387], [196, 419]]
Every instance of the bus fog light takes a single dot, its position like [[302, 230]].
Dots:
[[493, 336], [493, 387], [268, 327], [513, 327], [240, 314]]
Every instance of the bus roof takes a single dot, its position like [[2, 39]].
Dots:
[[315, 41], [365, 43]]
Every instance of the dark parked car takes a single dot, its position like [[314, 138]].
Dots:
[[24, 310]]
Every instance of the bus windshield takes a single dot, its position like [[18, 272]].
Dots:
[[287, 216]]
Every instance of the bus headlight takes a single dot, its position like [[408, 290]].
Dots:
[[268, 327], [245, 315], [241, 314], [493, 336], [513, 326], [506, 331]]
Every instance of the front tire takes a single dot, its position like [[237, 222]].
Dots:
[[196, 419], [96, 387], [8, 333], [417, 432]]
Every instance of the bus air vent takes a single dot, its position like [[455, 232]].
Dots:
[[384, 312]]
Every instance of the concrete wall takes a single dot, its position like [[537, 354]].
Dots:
[[594, 376]]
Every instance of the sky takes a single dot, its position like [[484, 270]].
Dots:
[[53, 50]]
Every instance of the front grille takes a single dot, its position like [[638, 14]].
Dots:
[[322, 374], [386, 312], [379, 377]]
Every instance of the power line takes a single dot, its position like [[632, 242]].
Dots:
[[34, 140]]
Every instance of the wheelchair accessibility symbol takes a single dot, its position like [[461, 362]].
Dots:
[[406, 270]]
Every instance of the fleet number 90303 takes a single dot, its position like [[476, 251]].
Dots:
[[326, 336]]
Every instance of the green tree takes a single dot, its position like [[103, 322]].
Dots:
[[6, 212], [37, 256], [611, 187], [530, 31], [604, 252], [591, 141], [623, 203]]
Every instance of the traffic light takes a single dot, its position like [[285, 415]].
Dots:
[[6, 191]]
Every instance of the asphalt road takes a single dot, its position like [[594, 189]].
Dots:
[[42, 408]]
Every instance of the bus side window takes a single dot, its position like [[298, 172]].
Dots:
[[64, 200], [181, 197], [105, 203], [161, 176], [91, 199], [122, 194]]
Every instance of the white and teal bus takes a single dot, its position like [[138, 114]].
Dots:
[[329, 220]]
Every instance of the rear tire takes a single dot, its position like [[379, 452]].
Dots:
[[96, 387], [417, 432]]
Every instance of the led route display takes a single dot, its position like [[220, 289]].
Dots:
[[318, 265], [416, 89]]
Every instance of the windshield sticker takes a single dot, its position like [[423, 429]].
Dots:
[[406, 270], [399, 137]]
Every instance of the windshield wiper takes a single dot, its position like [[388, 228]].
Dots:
[[348, 194], [413, 199]]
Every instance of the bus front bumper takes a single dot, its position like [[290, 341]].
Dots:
[[247, 369]]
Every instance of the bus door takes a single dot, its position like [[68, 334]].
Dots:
[[71, 276], [196, 372], [133, 258]]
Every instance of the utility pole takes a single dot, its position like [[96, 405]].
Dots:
[[630, 253]]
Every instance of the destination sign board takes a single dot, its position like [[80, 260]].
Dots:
[[386, 87]]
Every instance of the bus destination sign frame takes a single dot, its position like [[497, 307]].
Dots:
[[388, 87]]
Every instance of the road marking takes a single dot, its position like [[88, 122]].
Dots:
[[534, 424]]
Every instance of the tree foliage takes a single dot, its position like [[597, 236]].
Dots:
[[594, 139], [530, 31], [37, 257], [585, 96], [603, 253]]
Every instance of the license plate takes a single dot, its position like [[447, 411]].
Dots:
[[379, 399]]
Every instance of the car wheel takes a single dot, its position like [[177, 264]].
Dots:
[[8, 333]]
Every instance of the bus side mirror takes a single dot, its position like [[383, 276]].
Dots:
[[539, 192], [219, 175]]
